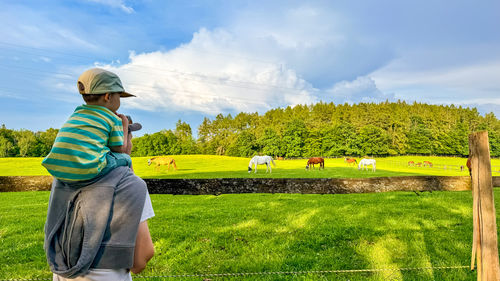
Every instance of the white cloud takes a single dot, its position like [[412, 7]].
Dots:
[[253, 65], [199, 77], [115, 4], [261, 59], [475, 83], [315, 40], [362, 89]]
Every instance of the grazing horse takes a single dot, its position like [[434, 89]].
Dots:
[[158, 161], [316, 160], [427, 163], [411, 163], [350, 161], [366, 162], [419, 164], [260, 160]]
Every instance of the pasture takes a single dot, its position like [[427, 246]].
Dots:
[[276, 232], [211, 166]]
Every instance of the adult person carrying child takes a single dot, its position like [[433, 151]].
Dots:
[[96, 226]]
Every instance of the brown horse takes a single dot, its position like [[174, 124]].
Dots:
[[469, 166], [158, 161], [350, 161], [427, 163], [411, 163], [419, 164], [316, 160]]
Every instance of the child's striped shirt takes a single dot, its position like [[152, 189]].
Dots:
[[80, 148]]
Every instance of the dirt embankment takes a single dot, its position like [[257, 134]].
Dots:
[[242, 185], [25, 183]]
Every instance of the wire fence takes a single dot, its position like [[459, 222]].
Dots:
[[309, 272], [434, 166], [382, 162], [306, 272]]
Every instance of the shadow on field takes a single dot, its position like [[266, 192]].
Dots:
[[292, 232], [447, 241], [269, 234], [422, 231]]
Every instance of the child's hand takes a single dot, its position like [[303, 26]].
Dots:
[[124, 119]]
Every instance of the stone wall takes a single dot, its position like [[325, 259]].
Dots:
[[318, 186], [25, 183], [242, 185]]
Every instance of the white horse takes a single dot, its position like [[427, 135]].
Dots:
[[366, 162], [260, 160]]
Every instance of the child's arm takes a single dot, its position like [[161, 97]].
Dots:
[[124, 148]]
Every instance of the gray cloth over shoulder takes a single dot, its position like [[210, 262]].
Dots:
[[94, 226]]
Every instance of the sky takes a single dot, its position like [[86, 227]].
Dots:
[[186, 60]]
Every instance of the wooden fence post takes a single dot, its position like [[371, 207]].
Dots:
[[485, 243]]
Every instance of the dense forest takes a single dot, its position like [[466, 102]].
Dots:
[[327, 129], [321, 129]]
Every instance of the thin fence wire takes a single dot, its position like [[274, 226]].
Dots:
[[309, 272], [495, 169], [451, 167]]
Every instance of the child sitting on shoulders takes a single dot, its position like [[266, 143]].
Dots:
[[95, 139]]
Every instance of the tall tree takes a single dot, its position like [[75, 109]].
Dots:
[[270, 143], [45, 140], [185, 138], [7, 142], [25, 141], [294, 138], [340, 140], [373, 140], [6, 147], [244, 146], [313, 144]]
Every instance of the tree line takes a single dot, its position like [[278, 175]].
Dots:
[[321, 129], [25, 143], [328, 129]]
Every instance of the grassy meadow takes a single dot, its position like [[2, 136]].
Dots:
[[276, 232], [211, 166], [249, 233]]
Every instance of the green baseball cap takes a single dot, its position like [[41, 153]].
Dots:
[[100, 81]]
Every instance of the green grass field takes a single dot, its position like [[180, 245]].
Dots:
[[276, 232], [210, 166]]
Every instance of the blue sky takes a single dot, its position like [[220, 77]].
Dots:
[[193, 59]]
